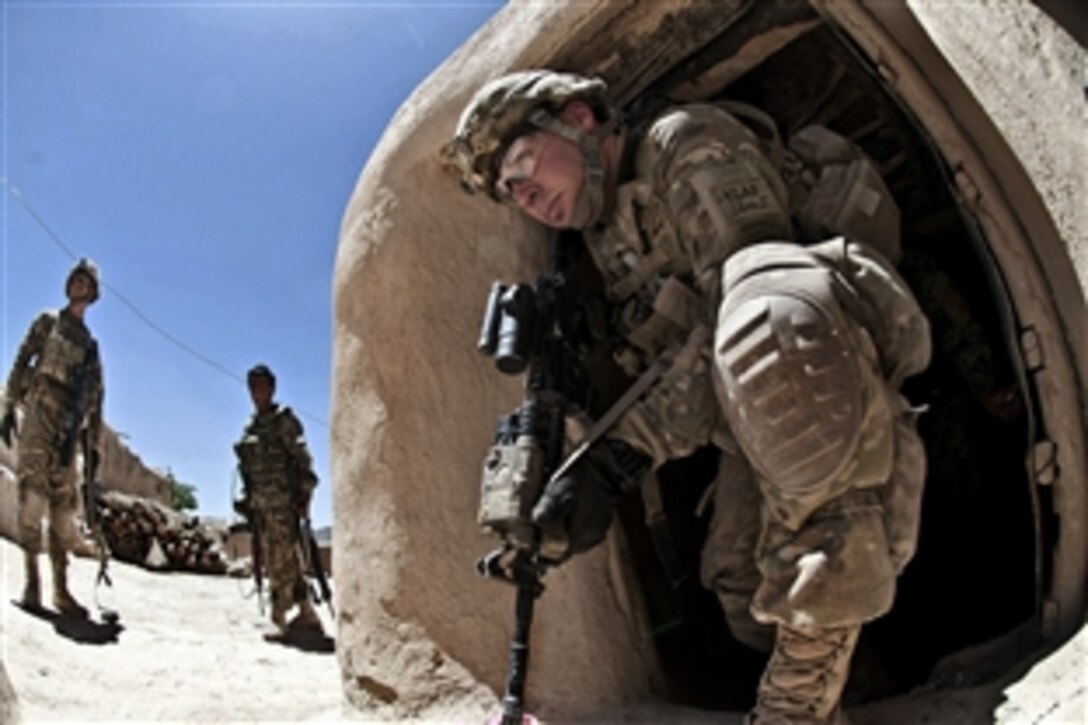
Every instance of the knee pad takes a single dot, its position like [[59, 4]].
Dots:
[[791, 369]]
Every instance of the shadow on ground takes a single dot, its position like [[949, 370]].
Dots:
[[83, 631], [317, 642]]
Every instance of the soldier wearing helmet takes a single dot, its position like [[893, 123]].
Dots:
[[277, 471], [787, 338], [89, 271], [57, 381]]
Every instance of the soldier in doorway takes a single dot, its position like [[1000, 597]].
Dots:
[[787, 335]]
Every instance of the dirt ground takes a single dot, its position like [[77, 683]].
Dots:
[[189, 649]]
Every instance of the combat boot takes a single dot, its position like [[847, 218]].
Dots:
[[279, 621], [32, 594], [805, 676], [307, 619], [63, 600]]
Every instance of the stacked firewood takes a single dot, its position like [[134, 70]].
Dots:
[[144, 532]]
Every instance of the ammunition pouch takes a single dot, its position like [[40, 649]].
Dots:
[[836, 189], [675, 310], [60, 356], [254, 457], [681, 411]]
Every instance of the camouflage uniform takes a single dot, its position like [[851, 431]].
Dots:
[[809, 346], [56, 376], [278, 473], [786, 356]]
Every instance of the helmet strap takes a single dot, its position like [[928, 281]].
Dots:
[[590, 202]]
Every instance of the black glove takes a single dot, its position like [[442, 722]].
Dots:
[[8, 426], [241, 507], [579, 505]]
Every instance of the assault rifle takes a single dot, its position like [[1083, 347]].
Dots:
[[310, 556], [75, 435], [521, 333], [525, 329], [245, 508], [80, 377], [91, 490]]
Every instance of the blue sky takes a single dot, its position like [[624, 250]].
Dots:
[[202, 154]]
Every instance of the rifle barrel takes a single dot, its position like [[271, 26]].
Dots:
[[513, 702]]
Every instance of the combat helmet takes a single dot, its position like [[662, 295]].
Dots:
[[88, 268], [517, 103]]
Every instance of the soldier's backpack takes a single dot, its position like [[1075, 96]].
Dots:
[[835, 188]]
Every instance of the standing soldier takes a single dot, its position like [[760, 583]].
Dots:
[[785, 345], [57, 378], [277, 472]]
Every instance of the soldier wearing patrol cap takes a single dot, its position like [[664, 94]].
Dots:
[[789, 337], [57, 380]]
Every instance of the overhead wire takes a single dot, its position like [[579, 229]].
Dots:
[[143, 317]]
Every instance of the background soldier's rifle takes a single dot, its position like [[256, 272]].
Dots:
[[91, 490], [245, 508], [310, 554], [76, 435]]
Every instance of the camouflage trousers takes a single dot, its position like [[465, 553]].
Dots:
[[279, 546], [47, 483], [837, 569]]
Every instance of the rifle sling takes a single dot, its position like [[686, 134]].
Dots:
[[606, 421], [657, 523]]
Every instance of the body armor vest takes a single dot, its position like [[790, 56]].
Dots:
[[262, 457], [645, 273], [67, 347]]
